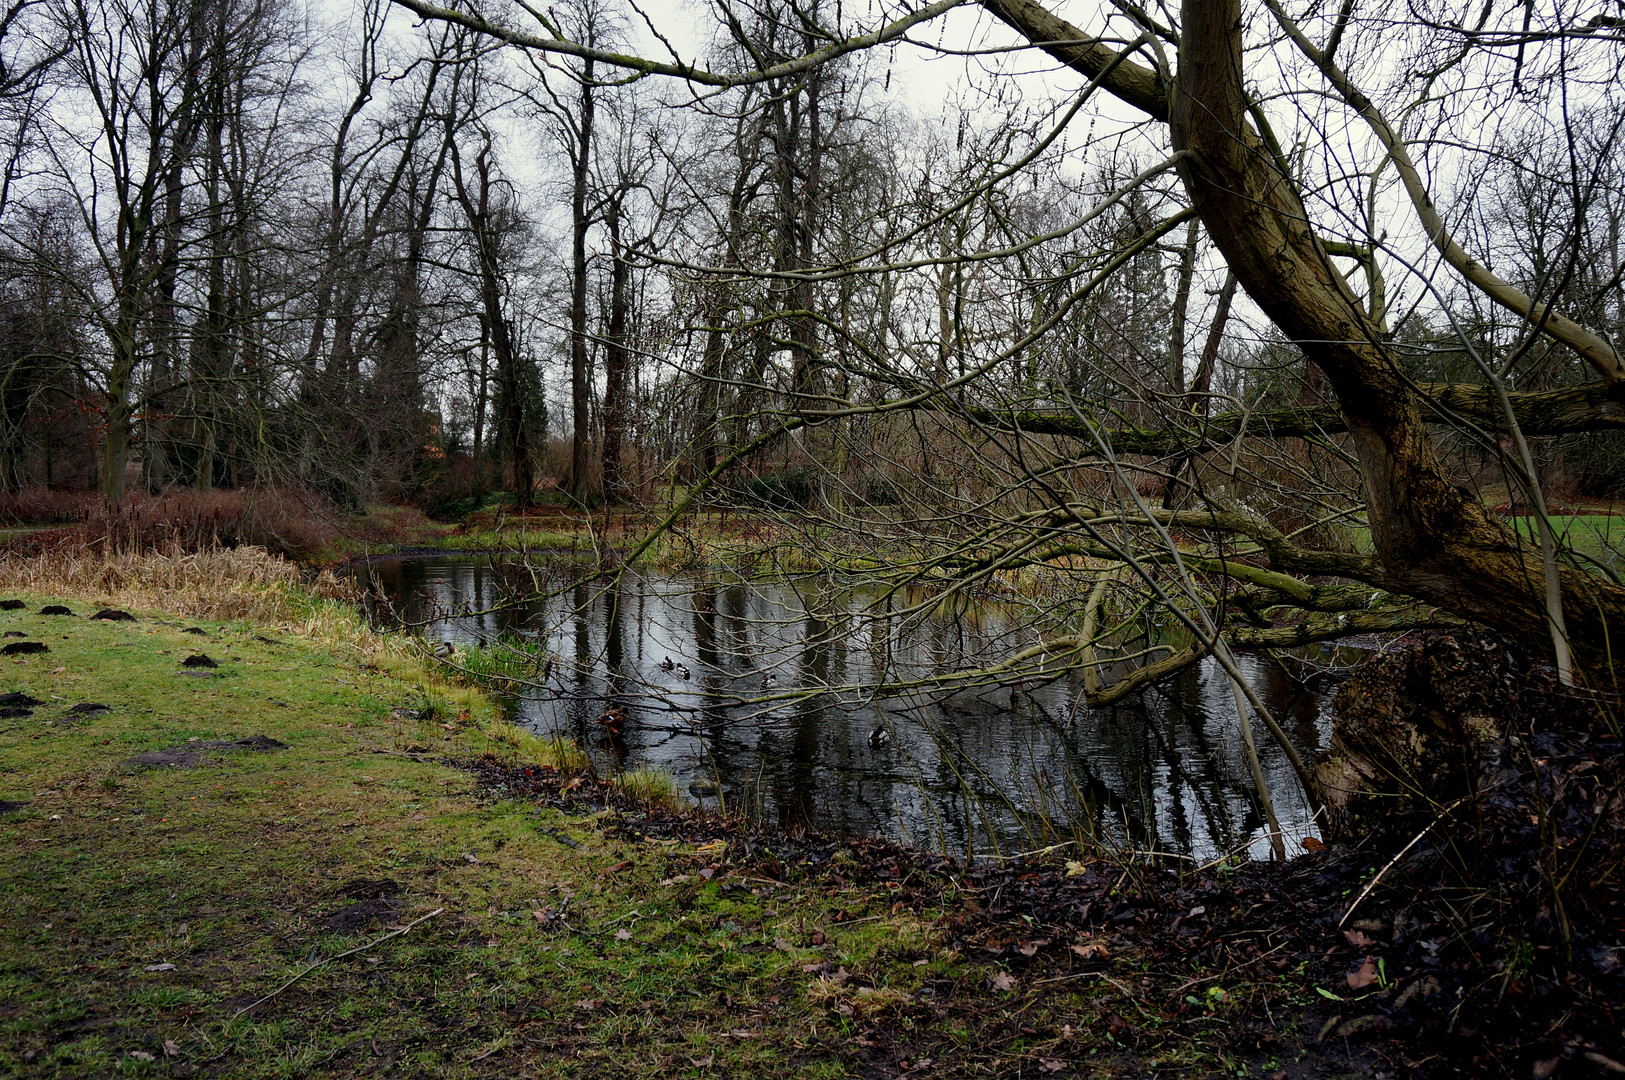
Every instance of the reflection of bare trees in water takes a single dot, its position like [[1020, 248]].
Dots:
[[780, 704]]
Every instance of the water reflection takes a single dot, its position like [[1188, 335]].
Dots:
[[749, 687]]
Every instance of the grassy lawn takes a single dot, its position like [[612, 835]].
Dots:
[[1601, 536], [146, 908]]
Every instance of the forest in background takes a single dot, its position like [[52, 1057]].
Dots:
[[252, 244]]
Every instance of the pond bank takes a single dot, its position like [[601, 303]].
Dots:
[[568, 931], [575, 935]]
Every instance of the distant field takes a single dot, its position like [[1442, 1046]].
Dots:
[[1601, 536]]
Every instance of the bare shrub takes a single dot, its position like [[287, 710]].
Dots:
[[46, 506]]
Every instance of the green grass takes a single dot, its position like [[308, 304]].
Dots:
[[227, 871], [1601, 536]]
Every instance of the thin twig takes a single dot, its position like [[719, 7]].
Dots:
[[340, 956], [1268, 835], [1372, 884]]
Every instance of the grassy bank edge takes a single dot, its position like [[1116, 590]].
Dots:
[[667, 972]]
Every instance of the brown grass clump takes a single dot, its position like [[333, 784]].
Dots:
[[856, 1002], [287, 521], [221, 584]]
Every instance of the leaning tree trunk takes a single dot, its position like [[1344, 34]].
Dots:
[[1436, 542]]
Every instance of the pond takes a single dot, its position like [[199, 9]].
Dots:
[[752, 692]]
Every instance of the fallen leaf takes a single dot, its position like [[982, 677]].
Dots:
[[1004, 981], [1358, 940], [808, 969], [471, 860], [141, 1055], [589, 1004], [1052, 1065], [623, 934], [704, 1062], [783, 945], [1365, 976], [1313, 843], [543, 917], [159, 967], [1604, 1062], [1030, 948], [171, 1048], [678, 880], [711, 848], [708, 873], [1091, 950], [573, 784], [1075, 868]]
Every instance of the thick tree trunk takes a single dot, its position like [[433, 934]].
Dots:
[[116, 444], [1435, 541]]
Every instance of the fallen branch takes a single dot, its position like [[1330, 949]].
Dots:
[[340, 956]]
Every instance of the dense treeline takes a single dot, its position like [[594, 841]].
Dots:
[[244, 248]]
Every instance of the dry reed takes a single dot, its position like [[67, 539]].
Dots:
[[221, 584]]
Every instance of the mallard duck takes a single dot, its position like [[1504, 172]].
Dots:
[[443, 650], [666, 664], [683, 672], [879, 737]]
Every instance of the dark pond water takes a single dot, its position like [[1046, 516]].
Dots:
[[773, 715]]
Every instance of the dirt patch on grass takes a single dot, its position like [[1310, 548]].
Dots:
[[190, 755]]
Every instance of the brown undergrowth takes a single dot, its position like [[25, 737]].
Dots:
[[290, 521]]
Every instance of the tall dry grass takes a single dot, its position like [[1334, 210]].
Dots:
[[220, 584]]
